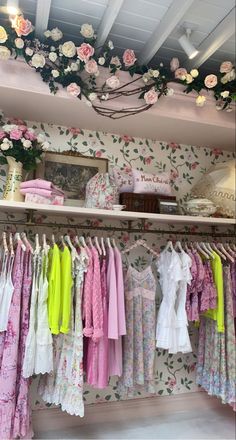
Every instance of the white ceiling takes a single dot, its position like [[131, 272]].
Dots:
[[132, 27]]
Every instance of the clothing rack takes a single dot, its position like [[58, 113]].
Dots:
[[129, 229]]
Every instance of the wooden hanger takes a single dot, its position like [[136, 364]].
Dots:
[[97, 245], [103, 246]]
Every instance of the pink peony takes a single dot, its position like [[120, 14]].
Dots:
[[22, 26], [23, 128], [174, 64], [98, 154], [151, 97], [15, 134], [210, 81], [127, 138], [73, 89], [29, 135], [2, 134], [226, 67], [180, 72], [91, 67], [129, 58], [74, 130], [148, 160], [85, 51]]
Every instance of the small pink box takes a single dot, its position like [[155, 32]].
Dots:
[[35, 198]]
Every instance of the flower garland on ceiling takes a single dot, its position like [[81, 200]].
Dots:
[[76, 68]]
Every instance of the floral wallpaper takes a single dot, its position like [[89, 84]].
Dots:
[[173, 373]]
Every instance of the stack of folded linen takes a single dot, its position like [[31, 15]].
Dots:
[[42, 191]]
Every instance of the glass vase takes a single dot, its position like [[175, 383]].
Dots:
[[14, 179]]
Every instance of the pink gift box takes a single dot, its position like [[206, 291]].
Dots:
[[35, 198]]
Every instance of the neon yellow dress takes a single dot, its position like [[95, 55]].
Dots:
[[66, 289], [218, 313], [54, 289]]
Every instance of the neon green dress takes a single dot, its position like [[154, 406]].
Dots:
[[66, 289], [54, 289], [218, 313]]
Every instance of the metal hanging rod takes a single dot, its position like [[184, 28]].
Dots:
[[129, 229]]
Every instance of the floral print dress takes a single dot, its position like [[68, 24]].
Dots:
[[139, 342]]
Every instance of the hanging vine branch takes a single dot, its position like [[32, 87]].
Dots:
[[77, 69]]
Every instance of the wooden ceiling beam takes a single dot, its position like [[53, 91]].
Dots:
[[42, 17], [108, 19], [222, 32], [172, 17]]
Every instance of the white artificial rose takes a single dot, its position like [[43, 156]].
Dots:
[[5, 53], [67, 70], [87, 30], [19, 43], [113, 82], [52, 48], [194, 73], [8, 127], [105, 97], [45, 145], [40, 138], [153, 73], [68, 49], [56, 34], [225, 94], [101, 61], [5, 146], [38, 60], [74, 67], [3, 35], [47, 34], [26, 143], [29, 51], [200, 100], [92, 96], [110, 45], [230, 76], [55, 73], [52, 56], [146, 77], [170, 92], [189, 78], [116, 62]]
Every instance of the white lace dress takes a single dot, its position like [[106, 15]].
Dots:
[[169, 268], [65, 386]]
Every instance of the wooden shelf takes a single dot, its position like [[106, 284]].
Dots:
[[73, 211]]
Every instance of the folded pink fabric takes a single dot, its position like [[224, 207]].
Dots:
[[40, 183], [41, 192]]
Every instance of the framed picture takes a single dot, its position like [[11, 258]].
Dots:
[[71, 172]]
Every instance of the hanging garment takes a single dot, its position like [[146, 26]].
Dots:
[[169, 268], [43, 337], [197, 289], [182, 337], [191, 286], [218, 313], [65, 385], [12, 357], [216, 351], [30, 346], [208, 296], [6, 291], [233, 280], [54, 290], [139, 342], [22, 419], [66, 287], [103, 376]]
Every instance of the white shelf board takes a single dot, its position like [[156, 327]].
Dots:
[[73, 211]]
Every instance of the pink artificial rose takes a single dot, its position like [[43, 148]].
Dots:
[[151, 97], [85, 51], [148, 160], [74, 130], [210, 81], [91, 67], [23, 128], [226, 67], [180, 72], [98, 154], [15, 134], [127, 138], [2, 134], [129, 58], [29, 135], [174, 64], [22, 26], [73, 89]]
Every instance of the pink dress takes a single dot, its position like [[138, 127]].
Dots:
[[14, 410], [103, 377]]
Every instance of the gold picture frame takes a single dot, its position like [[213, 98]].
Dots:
[[70, 171]]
